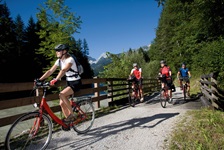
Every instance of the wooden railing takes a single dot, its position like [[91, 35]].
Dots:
[[213, 96], [114, 88]]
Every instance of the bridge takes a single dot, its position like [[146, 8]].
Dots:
[[146, 126]]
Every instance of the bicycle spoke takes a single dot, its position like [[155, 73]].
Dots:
[[85, 117]]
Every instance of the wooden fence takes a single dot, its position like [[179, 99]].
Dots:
[[213, 96], [112, 88]]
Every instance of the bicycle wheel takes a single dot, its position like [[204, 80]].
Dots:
[[133, 99], [184, 91], [163, 99], [29, 132], [85, 116]]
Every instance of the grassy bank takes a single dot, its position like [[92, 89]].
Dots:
[[199, 130]]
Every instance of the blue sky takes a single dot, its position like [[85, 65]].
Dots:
[[108, 25]]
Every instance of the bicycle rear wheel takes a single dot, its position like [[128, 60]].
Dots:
[[29, 132], [85, 116], [163, 99]]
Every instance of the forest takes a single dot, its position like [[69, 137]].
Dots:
[[26, 51], [190, 31]]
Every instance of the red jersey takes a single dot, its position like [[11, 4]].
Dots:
[[165, 71], [137, 73]]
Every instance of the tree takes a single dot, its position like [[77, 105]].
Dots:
[[85, 48], [7, 44], [7, 37], [58, 25], [19, 32]]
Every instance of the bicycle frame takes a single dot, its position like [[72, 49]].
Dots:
[[45, 107], [165, 93], [135, 89]]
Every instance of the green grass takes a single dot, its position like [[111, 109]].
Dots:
[[199, 130]]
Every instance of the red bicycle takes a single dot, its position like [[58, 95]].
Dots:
[[134, 92], [34, 130], [164, 95]]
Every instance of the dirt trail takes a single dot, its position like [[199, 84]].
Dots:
[[146, 126]]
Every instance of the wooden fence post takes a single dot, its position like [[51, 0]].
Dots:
[[97, 94], [214, 90], [110, 88]]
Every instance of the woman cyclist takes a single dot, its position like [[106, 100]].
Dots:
[[68, 68], [165, 75], [137, 72]]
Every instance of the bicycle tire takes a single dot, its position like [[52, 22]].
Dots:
[[84, 124], [162, 99], [184, 91], [130, 97], [20, 135], [133, 99]]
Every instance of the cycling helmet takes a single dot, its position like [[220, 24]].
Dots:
[[135, 64], [60, 47], [162, 62]]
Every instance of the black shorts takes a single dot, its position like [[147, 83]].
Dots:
[[75, 85], [138, 81], [185, 79], [167, 81]]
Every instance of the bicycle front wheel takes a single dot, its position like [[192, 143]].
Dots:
[[85, 116], [162, 99], [30, 131], [184, 91]]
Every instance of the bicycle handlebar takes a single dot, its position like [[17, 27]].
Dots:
[[38, 85]]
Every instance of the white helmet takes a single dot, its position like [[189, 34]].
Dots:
[[135, 65]]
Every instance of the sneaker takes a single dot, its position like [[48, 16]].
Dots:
[[188, 94], [70, 118], [141, 100], [170, 100]]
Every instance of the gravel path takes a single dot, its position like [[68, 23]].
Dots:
[[146, 126]]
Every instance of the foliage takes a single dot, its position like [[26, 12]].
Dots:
[[121, 64], [22, 48], [191, 32], [57, 26]]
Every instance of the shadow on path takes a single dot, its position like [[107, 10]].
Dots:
[[100, 133]]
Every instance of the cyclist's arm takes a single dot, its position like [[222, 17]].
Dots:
[[48, 73], [178, 74], [140, 70], [170, 73], [131, 72], [189, 74], [63, 71]]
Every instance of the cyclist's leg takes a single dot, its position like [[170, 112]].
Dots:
[[64, 109], [188, 87], [181, 84], [169, 89], [64, 102], [140, 90]]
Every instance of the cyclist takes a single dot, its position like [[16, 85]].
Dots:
[[184, 75], [165, 75], [137, 73], [68, 68]]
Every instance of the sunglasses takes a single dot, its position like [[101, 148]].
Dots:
[[58, 50]]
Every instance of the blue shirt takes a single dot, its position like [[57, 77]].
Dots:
[[184, 72]]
